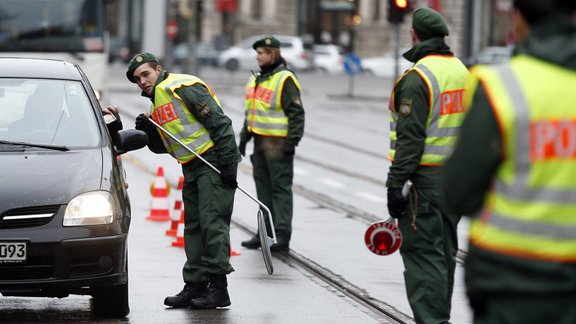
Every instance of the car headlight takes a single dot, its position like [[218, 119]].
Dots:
[[92, 208]]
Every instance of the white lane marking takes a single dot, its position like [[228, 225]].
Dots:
[[370, 196], [300, 171], [332, 183]]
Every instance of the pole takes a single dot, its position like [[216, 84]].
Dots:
[[192, 59], [396, 52], [351, 86]]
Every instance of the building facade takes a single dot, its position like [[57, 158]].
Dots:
[[360, 26]]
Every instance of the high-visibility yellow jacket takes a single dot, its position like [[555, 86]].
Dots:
[[264, 112], [530, 212], [170, 111], [445, 77]]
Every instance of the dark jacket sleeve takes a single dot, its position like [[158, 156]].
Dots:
[[245, 135], [209, 113], [410, 129], [293, 108], [467, 175], [155, 143]]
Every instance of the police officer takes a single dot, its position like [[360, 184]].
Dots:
[[513, 172], [186, 107], [275, 118], [425, 113]]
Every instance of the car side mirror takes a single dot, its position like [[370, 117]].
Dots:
[[130, 140]]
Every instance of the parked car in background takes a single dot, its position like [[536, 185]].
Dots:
[[243, 57], [328, 58], [206, 54], [119, 50], [493, 55], [64, 208], [384, 66]]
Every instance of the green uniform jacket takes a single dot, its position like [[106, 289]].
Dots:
[[411, 128], [468, 174], [225, 150], [292, 105]]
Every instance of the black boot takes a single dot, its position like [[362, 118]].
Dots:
[[253, 243], [190, 291], [281, 245], [217, 294]]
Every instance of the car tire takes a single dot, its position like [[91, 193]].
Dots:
[[232, 65], [111, 302]]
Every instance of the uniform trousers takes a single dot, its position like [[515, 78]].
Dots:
[[428, 250], [208, 206], [273, 174]]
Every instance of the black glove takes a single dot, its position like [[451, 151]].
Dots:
[[289, 149], [397, 203], [143, 124], [228, 175], [242, 148]]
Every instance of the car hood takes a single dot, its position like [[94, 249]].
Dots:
[[36, 178]]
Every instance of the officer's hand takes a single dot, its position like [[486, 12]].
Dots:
[[143, 124], [228, 175], [289, 149], [242, 148], [397, 203]]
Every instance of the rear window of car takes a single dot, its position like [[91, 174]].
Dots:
[[54, 112]]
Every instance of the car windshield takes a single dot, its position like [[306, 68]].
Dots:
[[48, 112]]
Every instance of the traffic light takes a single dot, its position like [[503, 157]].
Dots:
[[396, 10]]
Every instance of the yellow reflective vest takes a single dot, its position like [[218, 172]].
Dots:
[[264, 112], [445, 77], [170, 112], [530, 211]]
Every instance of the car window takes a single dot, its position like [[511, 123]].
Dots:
[[50, 112], [285, 45]]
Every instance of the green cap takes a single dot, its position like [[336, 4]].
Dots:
[[138, 60], [428, 23], [267, 41]]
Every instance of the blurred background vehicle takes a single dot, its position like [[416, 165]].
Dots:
[[492, 55], [243, 57], [74, 31], [206, 54], [328, 59], [119, 50], [384, 66]]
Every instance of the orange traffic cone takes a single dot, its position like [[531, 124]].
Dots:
[[178, 214], [232, 252], [179, 242], [159, 207]]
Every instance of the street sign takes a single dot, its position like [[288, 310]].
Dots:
[[352, 64]]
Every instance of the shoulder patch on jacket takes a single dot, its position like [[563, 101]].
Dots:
[[204, 110], [405, 107]]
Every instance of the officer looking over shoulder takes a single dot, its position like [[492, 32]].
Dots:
[[186, 107], [513, 169], [425, 113], [275, 118]]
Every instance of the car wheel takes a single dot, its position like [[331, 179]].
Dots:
[[111, 302], [232, 65]]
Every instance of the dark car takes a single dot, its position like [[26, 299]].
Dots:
[[64, 208]]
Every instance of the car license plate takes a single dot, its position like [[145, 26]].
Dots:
[[12, 252]]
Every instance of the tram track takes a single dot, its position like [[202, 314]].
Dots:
[[383, 312]]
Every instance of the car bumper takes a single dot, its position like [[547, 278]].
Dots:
[[69, 266]]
